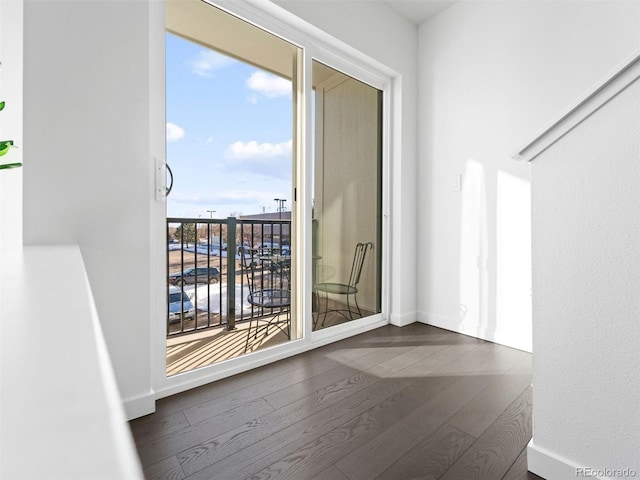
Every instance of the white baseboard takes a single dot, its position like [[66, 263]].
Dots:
[[550, 466], [403, 319], [465, 328], [140, 406], [520, 342]]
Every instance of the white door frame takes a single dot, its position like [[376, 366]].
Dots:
[[326, 49]]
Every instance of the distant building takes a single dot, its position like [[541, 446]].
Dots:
[[267, 216], [275, 233]]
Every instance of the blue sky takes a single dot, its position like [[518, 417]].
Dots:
[[229, 130]]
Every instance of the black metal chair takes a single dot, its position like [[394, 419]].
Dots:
[[346, 289], [268, 296]]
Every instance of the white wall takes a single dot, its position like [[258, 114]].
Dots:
[[586, 253], [11, 19], [491, 75], [90, 137], [88, 167], [384, 35]]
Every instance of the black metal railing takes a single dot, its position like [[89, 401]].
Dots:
[[209, 260]]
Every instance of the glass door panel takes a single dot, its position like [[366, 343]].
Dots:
[[347, 200], [231, 92]]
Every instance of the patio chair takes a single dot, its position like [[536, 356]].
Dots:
[[348, 290], [269, 298]]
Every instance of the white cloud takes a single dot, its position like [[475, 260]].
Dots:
[[254, 151], [208, 62], [269, 85], [231, 197], [174, 132]]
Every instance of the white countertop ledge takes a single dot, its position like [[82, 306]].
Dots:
[[61, 416]]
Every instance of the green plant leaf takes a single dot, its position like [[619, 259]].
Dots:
[[2, 105], [5, 145], [7, 166]]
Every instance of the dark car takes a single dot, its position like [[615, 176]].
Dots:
[[195, 275]]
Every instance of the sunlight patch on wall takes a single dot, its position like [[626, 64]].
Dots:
[[513, 306], [474, 247]]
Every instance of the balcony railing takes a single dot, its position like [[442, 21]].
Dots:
[[207, 264]]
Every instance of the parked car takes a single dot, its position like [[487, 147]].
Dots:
[[180, 305], [195, 275]]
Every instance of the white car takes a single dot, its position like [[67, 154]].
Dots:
[[180, 305]]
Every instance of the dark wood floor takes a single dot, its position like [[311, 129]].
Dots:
[[395, 403]]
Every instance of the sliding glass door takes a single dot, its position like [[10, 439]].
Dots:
[[347, 200], [274, 227]]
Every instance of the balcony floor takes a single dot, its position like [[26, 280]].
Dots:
[[205, 347]]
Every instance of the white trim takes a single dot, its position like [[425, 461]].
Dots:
[[402, 320], [548, 465], [388, 107], [202, 376], [140, 405], [614, 83], [298, 215], [279, 21], [345, 330], [306, 206], [227, 368], [472, 329], [450, 323], [350, 67]]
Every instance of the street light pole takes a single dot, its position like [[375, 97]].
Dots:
[[211, 212], [280, 205]]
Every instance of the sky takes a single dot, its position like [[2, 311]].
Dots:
[[229, 128]]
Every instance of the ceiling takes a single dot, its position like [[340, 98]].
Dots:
[[418, 11]]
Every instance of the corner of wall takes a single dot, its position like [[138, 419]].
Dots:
[[403, 319], [502, 337], [140, 405], [549, 465]]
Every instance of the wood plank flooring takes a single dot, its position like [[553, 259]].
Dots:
[[395, 403]]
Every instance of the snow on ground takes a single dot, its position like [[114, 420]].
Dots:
[[203, 250], [214, 250], [212, 292]]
